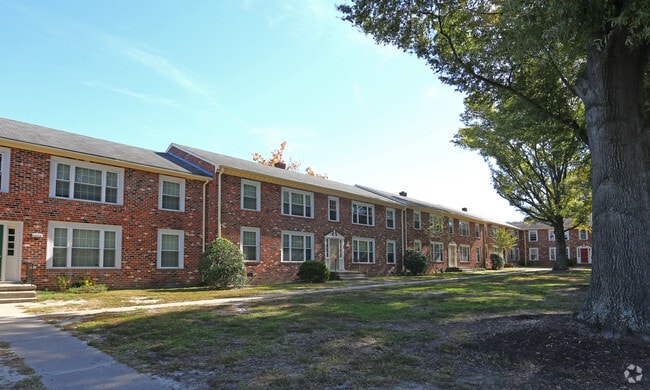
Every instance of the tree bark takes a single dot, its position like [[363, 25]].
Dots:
[[561, 260], [618, 301]]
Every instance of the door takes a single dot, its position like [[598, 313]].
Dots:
[[334, 252], [453, 256], [10, 244], [584, 254]]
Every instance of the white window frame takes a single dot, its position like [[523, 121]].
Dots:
[[5, 168], [450, 226], [477, 230], [437, 245], [292, 234], [552, 253], [530, 236], [333, 200], [256, 231], [584, 236], [463, 228], [258, 194], [390, 217], [356, 241], [308, 209], [533, 254], [417, 246], [370, 210], [70, 227], [465, 253], [391, 244], [417, 220], [176, 180], [478, 255], [181, 247], [74, 164], [551, 235]]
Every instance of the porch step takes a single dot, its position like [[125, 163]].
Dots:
[[348, 275], [17, 293]]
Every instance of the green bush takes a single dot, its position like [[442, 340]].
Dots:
[[222, 266], [62, 282], [415, 262], [497, 261], [313, 272], [571, 262]]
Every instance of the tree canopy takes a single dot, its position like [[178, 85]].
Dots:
[[582, 65], [277, 157]]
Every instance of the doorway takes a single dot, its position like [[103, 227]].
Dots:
[[334, 255], [10, 246]]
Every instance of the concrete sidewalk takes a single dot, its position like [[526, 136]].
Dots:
[[65, 362]]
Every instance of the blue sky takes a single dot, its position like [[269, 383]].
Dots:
[[237, 77]]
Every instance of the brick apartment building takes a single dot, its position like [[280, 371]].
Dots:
[[130, 217], [536, 245]]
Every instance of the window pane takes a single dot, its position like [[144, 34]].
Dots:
[[85, 248], [250, 197], [62, 180], [109, 249], [111, 187], [88, 184], [169, 256], [171, 199]]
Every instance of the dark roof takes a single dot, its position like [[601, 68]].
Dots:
[[327, 186], [39, 136], [415, 203]]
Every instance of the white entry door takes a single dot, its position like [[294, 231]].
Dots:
[[334, 252], [453, 256], [10, 246]]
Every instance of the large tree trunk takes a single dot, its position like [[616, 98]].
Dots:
[[618, 301], [561, 259]]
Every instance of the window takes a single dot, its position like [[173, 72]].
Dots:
[[533, 254], [551, 235], [170, 248], [417, 220], [464, 253], [437, 252], [583, 234], [172, 193], [495, 229], [477, 230], [451, 226], [436, 223], [463, 228], [363, 214], [532, 236], [250, 195], [390, 252], [297, 247], [417, 245], [333, 207], [250, 243], [552, 254], [5, 162], [80, 245], [363, 250], [297, 203], [390, 218], [478, 255], [86, 181]]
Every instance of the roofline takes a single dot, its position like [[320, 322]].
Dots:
[[97, 159]]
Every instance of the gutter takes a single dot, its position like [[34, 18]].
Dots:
[[219, 173]]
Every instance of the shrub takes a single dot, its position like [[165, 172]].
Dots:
[[222, 266], [89, 289], [313, 272], [62, 282], [415, 262], [497, 261], [571, 262]]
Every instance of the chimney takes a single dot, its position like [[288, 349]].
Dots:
[[280, 165], [464, 209], [403, 193]]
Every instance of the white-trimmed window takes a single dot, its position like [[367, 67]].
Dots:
[[464, 253], [390, 218], [297, 203], [583, 234], [495, 229], [250, 243], [86, 181], [463, 228], [363, 214], [478, 255], [437, 252], [5, 163], [171, 194], [363, 250], [533, 254], [450, 226], [391, 252], [333, 208], [417, 220], [477, 230], [171, 245], [532, 236], [82, 245], [551, 235], [552, 253], [417, 245], [297, 246], [250, 195], [436, 223]]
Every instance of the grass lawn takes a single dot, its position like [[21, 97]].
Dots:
[[508, 331]]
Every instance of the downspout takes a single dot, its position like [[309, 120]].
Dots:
[[404, 235], [219, 173], [204, 212]]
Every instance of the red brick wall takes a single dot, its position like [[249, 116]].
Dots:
[[28, 201], [544, 244]]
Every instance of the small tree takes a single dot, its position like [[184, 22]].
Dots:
[[222, 266], [504, 239]]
